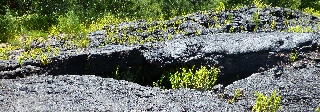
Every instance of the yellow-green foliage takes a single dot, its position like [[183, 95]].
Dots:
[[4, 52], [41, 54], [312, 11], [273, 24], [259, 4], [198, 32], [56, 51], [267, 104], [44, 59], [231, 29], [158, 82], [300, 29], [256, 18], [237, 94], [105, 20], [83, 42], [293, 56], [69, 24], [221, 7], [202, 78]]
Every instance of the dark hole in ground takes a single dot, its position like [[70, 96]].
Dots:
[[146, 76], [132, 67]]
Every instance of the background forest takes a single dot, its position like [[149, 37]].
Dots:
[[44, 17]]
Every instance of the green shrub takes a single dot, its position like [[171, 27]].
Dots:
[[4, 52], [125, 74], [202, 78], [9, 26], [310, 4], [293, 56], [267, 104], [36, 22], [237, 94], [69, 23], [294, 4], [312, 11], [72, 26], [221, 7]]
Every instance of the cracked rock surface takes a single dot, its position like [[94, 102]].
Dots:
[[75, 80]]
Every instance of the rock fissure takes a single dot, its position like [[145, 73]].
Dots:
[[76, 79]]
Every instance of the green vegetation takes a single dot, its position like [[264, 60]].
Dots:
[[293, 56], [300, 29], [237, 94], [25, 22], [125, 75], [273, 24], [318, 109], [131, 74], [267, 104], [256, 20], [202, 78]]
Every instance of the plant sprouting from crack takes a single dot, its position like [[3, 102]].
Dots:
[[238, 93], [44, 59], [293, 55], [256, 20], [125, 75], [267, 104], [221, 7], [273, 24], [202, 78], [157, 84]]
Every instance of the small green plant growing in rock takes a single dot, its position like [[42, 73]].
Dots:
[[4, 52], [231, 29], [259, 4], [221, 7], [169, 37], [125, 75], [273, 24], [20, 60], [286, 22], [56, 51], [202, 78], [296, 29], [116, 75], [237, 94], [198, 32], [293, 56], [256, 20], [44, 59], [312, 11], [83, 42], [267, 104], [157, 84]]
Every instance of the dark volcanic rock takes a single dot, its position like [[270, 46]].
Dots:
[[299, 88], [238, 53], [92, 93]]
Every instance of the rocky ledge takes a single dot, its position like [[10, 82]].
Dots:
[[77, 79]]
